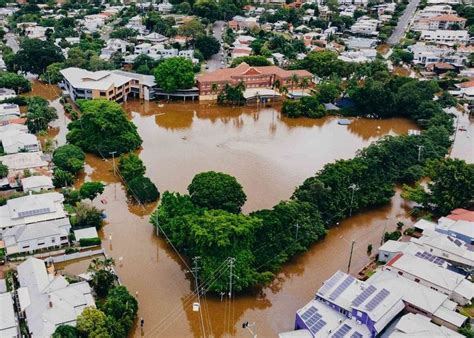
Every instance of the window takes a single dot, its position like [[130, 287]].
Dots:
[[400, 273], [63, 238], [417, 280], [53, 240], [42, 243], [26, 246], [102, 93]]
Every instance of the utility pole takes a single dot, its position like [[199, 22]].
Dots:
[[419, 152], [231, 266], [297, 225], [350, 256], [113, 159], [354, 187], [195, 270]]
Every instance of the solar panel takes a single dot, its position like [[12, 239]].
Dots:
[[341, 287], [317, 327], [343, 330], [308, 313], [364, 295], [430, 258], [379, 297], [331, 282], [356, 335]]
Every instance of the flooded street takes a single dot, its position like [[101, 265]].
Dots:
[[269, 155]]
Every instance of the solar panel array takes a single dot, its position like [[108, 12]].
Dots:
[[379, 297], [331, 282], [313, 320], [343, 330], [429, 257], [364, 295], [341, 287], [356, 335]]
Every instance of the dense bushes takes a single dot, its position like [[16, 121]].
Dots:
[[40, 114], [69, 158], [13, 81], [89, 241], [141, 188], [103, 128], [308, 106]]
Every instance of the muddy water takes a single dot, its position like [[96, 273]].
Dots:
[[269, 155]]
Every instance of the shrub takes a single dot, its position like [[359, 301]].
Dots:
[[143, 189], [89, 241]]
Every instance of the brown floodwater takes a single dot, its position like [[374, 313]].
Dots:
[[270, 155]]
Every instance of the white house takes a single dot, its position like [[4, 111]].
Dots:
[[415, 325], [37, 236], [15, 141], [40, 208], [448, 282], [37, 183], [6, 93], [446, 37], [49, 300], [9, 326], [365, 26], [9, 109]]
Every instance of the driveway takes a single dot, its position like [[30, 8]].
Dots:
[[12, 42], [403, 22]]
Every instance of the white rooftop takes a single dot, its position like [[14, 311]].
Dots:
[[415, 325], [21, 161], [50, 300], [35, 182], [100, 80], [427, 271], [8, 322], [90, 232]]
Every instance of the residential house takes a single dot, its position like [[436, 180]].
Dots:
[[420, 299], [424, 54], [48, 300], [165, 7], [440, 22], [362, 56], [6, 93], [142, 86], [9, 110], [34, 162], [365, 26], [461, 214], [15, 141], [37, 236], [94, 22], [37, 183], [415, 325], [37, 32], [153, 38], [436, 10], [445, 37], [422, 271], [252, 77], [9, 326], [467, 93], [37, 209]]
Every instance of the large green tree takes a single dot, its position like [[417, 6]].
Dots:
[[142, 189], [92, 323], [14, 81], [122, 307], [174, 73], [103, 129], [35, 55], [208, 45], [69, 158], [215, 190], [131, 166], [39, 114], [65, 331], [91, 190]]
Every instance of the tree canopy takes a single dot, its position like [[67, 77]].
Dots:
[[207, 45], [69, 158], [14, 81], [39, 114], [91, 190], [131, 166], [103, 128], [142, 189], [35, 55], [174, 73], [215, 190]]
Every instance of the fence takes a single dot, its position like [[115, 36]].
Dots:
[[75, 255]]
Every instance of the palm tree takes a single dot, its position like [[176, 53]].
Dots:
[[304, 83], [276, 85], [294, 80], [214, 88], [284, 90]]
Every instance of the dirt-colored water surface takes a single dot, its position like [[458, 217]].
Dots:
[[270, 155]]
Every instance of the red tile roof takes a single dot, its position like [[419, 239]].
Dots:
[[227, 74], [461, 215], [394, 259], [447, 17]]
